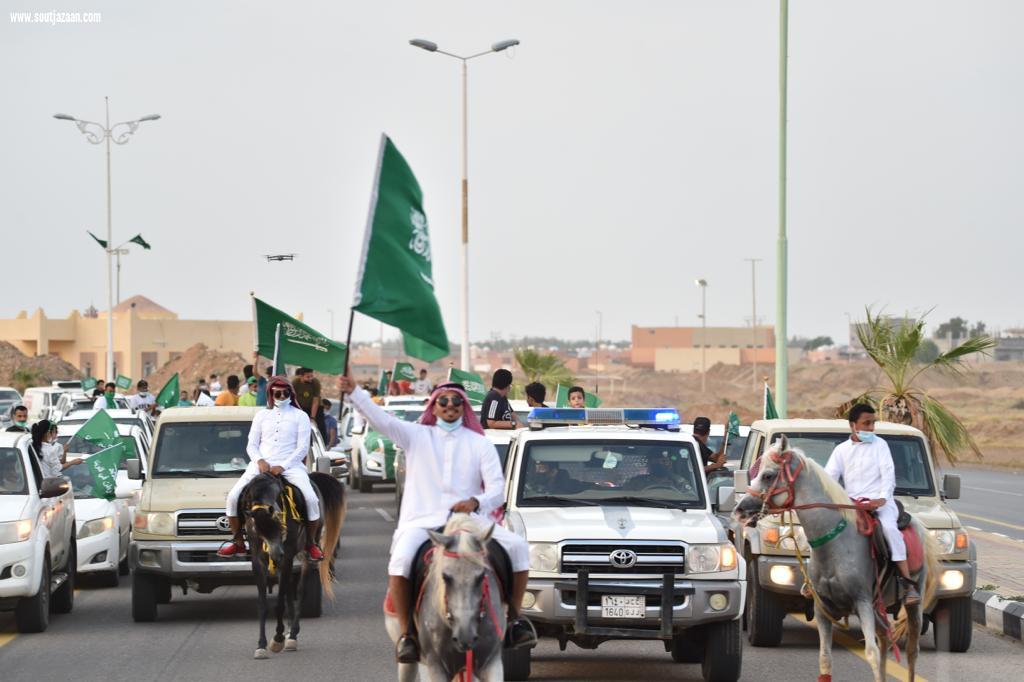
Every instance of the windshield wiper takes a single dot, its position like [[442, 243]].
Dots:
[[563, 501], [644, 502], [190, 474]]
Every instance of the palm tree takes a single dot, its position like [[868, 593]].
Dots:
[[896, 349], [542, 367]]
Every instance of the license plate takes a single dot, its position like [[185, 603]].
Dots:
[[623, 606]]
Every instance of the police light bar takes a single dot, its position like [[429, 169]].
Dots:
[[661, 417]]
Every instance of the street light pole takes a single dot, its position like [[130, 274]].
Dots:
[[781, 311], [753, 305], [703, 284], [597, 348], [104, 133], [464, 300]]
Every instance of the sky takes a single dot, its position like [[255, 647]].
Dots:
[[622, 151]]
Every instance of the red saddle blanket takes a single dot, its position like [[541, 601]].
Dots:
[[915, 549]]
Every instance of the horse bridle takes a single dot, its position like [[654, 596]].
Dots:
[[784, 483]]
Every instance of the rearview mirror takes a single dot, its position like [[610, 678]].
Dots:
[[323, 465], [134, 467], [53, 487], [726, 498], [951, 486]]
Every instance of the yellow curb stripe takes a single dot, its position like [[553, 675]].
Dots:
[[856, 647], [986, 520]]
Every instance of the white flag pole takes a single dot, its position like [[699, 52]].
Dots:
[[277, 344]]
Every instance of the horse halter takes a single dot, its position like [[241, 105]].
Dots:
[[784, 483]]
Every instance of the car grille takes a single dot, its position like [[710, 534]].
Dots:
[[203, 556], [652, 600], [597, 558], [200, 523]]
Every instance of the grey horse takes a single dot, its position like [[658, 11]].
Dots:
[[841, 570], [459, 609]]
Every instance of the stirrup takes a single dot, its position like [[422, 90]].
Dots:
[[407, 649]]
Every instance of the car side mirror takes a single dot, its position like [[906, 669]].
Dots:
[[740, 482], [726, 499], [951, 486], [323, 465], [134, 467], [53, 487]]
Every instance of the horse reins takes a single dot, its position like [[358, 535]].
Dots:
[[287, 499]]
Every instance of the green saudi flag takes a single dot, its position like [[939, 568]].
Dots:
[[473, 383], [562, 398], [396, 282], [382, 385], [732, 425], [300, 344], [103, 467], [100, 430], [403, 371], [168, 395], [88, 383], [137, 239], [122, 382], [769, 404], [101, 242]]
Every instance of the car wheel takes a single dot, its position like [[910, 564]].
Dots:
[[63, 599], [365, 484], [163, 591], [953, 624], [122, 566], [143, 597], [32, 614], [108, 578], [764, 612], [516, 663], [688, 647], [723, 652], [312, 594]]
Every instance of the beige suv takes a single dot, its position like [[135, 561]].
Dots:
[[773, 576], [198, 454]]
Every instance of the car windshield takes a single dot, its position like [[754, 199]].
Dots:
[[913, 476], [733, 451], [7, 396], [206, 449], [12, 473], [614, 473]]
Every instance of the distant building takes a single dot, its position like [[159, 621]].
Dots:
[[856, 348], [680, 349], [1009, 345]]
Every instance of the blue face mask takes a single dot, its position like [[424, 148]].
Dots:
[[866, 436], [449, 426]]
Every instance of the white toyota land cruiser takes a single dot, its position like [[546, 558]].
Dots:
[[624, 542]]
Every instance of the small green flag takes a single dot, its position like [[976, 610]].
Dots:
[[769, 404], [591, 400], [396, 283], [101, 242], [88, 383], [300, 344], [382, 385], [476, 391], [137, 239], [103, 467], [168, 395], [733, 425], [562, 398], [122, 382], [100, 430], [403, 371]]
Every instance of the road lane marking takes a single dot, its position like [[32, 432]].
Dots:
[[6, 637], [383, 512], [987, 520], [856, 647], [993, 490]]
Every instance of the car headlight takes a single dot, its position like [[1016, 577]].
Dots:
[[157, 523], [543, 556], [95, 527], [950, 540], [710, 558], [15, 531]]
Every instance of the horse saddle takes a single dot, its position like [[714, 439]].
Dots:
[[915, 547]]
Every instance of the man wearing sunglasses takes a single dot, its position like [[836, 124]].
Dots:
[[278, 444], [451, 467]]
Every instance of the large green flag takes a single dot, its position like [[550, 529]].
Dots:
[[476, 391], [403, 371], [103, 467], [100, 430], [769, 405], [396, 282], [732, 425], [169, 394], [299, 344]]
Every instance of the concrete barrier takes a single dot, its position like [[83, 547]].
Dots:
[[1001, 615]]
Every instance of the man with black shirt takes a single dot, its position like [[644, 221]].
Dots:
[[712, 460], [496, 413]]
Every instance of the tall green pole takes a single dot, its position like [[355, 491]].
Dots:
[[781, 335]]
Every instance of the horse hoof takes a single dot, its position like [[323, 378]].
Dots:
[[260, 654], [291, 645], [276, 646]]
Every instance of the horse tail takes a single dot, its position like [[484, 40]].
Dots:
[[335, 506]]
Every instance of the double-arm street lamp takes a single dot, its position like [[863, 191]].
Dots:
[[496, 47], [100, 133]]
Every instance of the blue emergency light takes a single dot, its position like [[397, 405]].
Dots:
[[660, 417]]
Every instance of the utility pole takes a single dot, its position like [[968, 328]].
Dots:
[[753, 305], [781, 312]]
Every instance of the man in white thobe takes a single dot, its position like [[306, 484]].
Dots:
[[864, 463], [450, 467]]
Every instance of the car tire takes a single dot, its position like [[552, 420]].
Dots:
[[764, 613], [32, 614], [312, 594], [516, 663], [108, 579], [953, 625], [144, 594], [63, 598], [687, 647], [365, 485], [723, 652], [163, 591], [122, 566]]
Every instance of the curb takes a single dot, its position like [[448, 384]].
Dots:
[[1001, 615]]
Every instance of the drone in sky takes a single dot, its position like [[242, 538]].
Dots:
[[278, 257]]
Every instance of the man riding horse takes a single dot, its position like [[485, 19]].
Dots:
[[451, 467], [278, 444]]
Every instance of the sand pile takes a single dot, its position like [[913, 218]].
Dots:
[[198, 361], [32, 371]]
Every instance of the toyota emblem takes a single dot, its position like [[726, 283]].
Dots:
[[622, 558], [223, 525]]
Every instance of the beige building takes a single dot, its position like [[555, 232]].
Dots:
[[146, 335], [679, 349]]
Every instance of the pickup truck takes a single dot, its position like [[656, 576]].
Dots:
[[198, 454], [37, 537], [624, 540], [773, 576]]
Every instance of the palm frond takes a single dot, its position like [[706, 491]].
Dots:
[[953, 360], [944, 430]]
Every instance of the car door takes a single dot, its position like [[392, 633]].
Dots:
[[55, 509]]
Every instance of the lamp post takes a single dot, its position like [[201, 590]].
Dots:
[[496, 47], [597, 348], [703, 284], [753, 305], [100, 133], [782, 244]]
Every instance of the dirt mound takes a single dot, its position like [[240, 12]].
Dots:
[[198, 361], [21, 371]]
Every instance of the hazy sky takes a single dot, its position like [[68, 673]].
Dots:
[[622, 151]]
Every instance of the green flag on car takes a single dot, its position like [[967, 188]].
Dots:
[[732, 425], [562, 398], [396, 282], [88, 383], [168, 395], [382, 385], [473, 383], [103, 467], [769, 404], [122, 382], [403, 371], [297, 343], [100, 430]]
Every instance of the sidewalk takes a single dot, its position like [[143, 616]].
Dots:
[[1000, 562]]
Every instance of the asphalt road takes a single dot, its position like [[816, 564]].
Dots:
[[212, 637], [992, 500]]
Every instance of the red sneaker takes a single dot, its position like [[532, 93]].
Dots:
[[231, 549], [314, 552]]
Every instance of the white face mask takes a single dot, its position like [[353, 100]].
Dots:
[[282, 402]]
